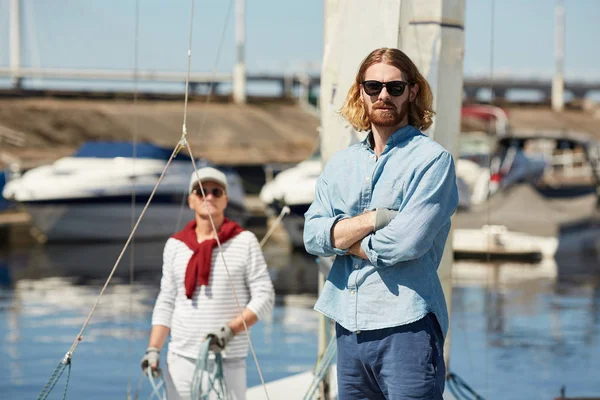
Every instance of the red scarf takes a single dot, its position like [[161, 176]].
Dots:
[[198, 268]]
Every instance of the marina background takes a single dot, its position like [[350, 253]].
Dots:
[[520, 329]]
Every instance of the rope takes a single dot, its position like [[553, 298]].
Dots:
[[216, 379], [284, 211], [275, 224], [112, 272], [138, 388], [181, 208], [460, 389], [60, 368], [79, 336], [237, 301], [487, 206], [67, 382], [133, 192], [181, 144], [322, 368], [183, 140], [155, 387], [184, 143], [217, 59]]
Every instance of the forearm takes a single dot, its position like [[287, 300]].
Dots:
[[237, 324], [347, 232], [357, 251], [158, 336]]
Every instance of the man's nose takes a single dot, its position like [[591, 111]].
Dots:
[[384, 95]]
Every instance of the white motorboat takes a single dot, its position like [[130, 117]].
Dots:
[[540, 184], [295, 188], [88, 196]]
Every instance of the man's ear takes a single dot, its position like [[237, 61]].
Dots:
[[414, 90]]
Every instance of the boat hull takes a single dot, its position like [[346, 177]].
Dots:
[[112, 222]]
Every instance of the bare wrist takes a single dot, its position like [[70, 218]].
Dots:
[[372, 219]]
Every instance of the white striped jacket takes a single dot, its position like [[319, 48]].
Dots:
[[214, 305]]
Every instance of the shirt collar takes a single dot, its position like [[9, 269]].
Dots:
[[397, 137]]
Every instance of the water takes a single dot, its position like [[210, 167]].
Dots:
[[518, 332]]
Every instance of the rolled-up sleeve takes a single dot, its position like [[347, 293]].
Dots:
[[165, 302], [431, 199], [262, 294], [318, 221]]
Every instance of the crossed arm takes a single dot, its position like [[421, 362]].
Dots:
[[347, 233], [430, 200]]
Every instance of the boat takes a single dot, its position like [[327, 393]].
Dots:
[[538, 199], [4, 204], [88, 196], [294, 188], [554, 174]]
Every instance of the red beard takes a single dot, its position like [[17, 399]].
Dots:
[[387, 117]]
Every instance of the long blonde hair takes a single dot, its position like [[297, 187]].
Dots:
[[420, 112]]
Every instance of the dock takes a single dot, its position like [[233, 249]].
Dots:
[[11, 218], [253, 134]]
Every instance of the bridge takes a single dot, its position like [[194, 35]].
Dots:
[[303, 85], [473, 86]]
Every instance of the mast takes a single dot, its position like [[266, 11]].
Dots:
[[239, 70], [558, 82], [15, 42]]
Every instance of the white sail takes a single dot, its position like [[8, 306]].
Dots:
[[431, 33]]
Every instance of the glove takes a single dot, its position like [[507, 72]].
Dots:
[[219, 339], [383, 217], [152, 359]]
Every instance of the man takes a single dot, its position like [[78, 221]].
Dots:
[[196, 302], [383, 206]]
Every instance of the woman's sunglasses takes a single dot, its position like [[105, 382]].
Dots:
[[216, 192], [394, 88]]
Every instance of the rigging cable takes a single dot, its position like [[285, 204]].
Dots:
[[487, 206], [183, 142], [133, 195]]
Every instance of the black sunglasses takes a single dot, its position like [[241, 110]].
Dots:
[[216, 192], [394, 88]]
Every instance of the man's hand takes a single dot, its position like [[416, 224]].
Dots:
[[383, 217], [357, 251], [219, 339], [152, 359], [346, 232]]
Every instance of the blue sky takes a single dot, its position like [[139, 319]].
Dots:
[[282, 35]]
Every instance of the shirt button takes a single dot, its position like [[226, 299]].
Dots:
[[367, 178], [356, 266], [358, 332], [372, 155], [352, 291]]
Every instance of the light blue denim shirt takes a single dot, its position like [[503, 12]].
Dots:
[[398, 284]]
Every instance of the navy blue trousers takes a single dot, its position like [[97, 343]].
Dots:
[[403, 362]]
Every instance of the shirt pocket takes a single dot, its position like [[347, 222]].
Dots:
[[388, 194]]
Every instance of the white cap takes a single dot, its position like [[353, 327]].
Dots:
[[208, 174]]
